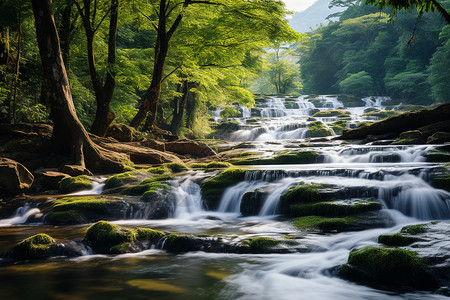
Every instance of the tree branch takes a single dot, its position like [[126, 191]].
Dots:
[[101, 21], [173, 71]]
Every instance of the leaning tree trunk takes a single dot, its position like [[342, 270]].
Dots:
[[69, 135]]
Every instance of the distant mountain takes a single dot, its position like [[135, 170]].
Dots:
[[312, 17]]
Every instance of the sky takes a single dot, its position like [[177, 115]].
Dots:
[[298, 5]]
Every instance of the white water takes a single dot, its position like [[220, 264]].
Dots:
[[21, 215], [280, 123], [98, 185]]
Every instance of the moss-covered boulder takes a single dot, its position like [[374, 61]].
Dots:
[[177, 167], [340, 208], [301, 193], [326, 224], [120, 179], [38, 246], [410, 137], [251, 203], [339, 126], [155, 184], [73, 184], [437, 155], [396, 269], [318, 129], [260, 245], [83, 209], [414, 229], [213, 165], [330, 113], [381, 114], [299, 157], [104, 237], [396, 240], [213, 188]]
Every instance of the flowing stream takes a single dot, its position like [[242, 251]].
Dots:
[[395, 176]]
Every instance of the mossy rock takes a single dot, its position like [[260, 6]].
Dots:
[[397, 239], [364, 123], [332, 209], [396, 269], [259, 245], [300, 157], [339, 126], [177, 167], [291, 105], [381, 114], [76, 210], [414, 229], [120, 180], [159, 170], [437, 155], [326, 224], [74, 184], [155, 184], [104, 237], [318, 129], [35, 247], [301, 193], [251, 203], [330, 113], [179, 243], [213, 188], [212, 165]]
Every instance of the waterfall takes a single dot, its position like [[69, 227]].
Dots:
[[188, 198], [21, 216]]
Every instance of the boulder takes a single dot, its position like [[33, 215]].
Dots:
[[185, 146], [121, 132], [429, 130], [439, 138], [410, 137], [74, 170], [51, 179], [401, 123], [139, 154], [15, 178], [154, 144]]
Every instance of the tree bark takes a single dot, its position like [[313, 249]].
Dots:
[[178, 112], [69, 136], [105, 92], [151, 98]]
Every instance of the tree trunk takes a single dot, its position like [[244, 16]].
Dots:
[[69, 136], [192, 108], [64, 30], [103, 94], [178, 113]]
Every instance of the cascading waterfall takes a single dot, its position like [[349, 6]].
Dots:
[[21, 215], [188, 199]]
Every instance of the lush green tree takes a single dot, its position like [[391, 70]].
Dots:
[[439, 78], [359, 84]]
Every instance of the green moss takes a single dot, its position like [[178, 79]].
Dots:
[[76, 210], [398, 268], [291, 105], [324, 223], [302, 193], [177, 167], [441, 182], [178, 243], [364, 123], [381, 114], [73, 184], [120, 179], [437, 155], [243, 154], [344, 116], [33, 247], [339, 126], [329, 113], [213, 188], [405, 142], [159, 170], [330, 209], [105, 237], [300, 157], [262, 244], [150, 185], [318, 129], [212, 165], [414, 229], [396, 239]]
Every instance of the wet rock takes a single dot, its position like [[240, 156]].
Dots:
[[213, 188], [429, 130], [41, 246], [318, 129], [73, 184], [190, 147], [439, 138], [15, 178], [74, 170], [107, 238], [396, 269], [401, 123], [410, 137], [251, 203], [51, 179], [157, 205]]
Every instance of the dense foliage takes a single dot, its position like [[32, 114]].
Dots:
[[365, 53]]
